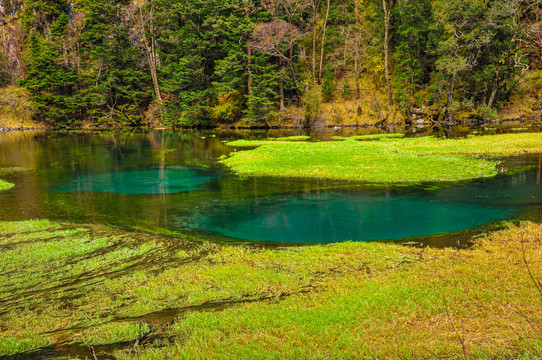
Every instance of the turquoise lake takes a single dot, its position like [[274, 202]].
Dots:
[[171, 181]]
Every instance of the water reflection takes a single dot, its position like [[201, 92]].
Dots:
[[171, 180]]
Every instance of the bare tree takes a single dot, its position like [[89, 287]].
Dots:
[[278, 38], [387, 16], [248, 7], [513, 11], [323, 43], [533, 25], [74, 33], [291, 8], [315, 4], [141, 14], [12, 40]]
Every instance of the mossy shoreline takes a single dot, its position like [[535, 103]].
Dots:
[[382, 159], [63, 283]]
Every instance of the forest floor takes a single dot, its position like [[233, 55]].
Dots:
[[383, 159], [70, 290], [343, 110]]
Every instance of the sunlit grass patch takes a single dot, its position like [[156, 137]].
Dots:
[[13, 345], [14, 227], [5, 185], [421, 308], [293, 138], [370, 137], [389, 160]]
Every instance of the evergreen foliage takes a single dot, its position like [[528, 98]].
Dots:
[[206, 62]]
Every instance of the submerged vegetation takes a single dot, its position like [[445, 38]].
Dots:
[[388, 160], [93, 285]]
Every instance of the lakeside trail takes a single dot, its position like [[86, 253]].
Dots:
[[65, 286]]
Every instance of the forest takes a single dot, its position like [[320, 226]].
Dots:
[[267, 62]]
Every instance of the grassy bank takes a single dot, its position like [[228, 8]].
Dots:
[[64, 284], [387, 160]]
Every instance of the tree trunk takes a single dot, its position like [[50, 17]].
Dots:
[[281, 87], [386, 49], [494, 90], [249, 69], [356, 56], [249, 53], [323, 43], [344, 60], [292, 73], [314, 43], [451, 91], [151, 53]]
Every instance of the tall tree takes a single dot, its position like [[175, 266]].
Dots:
[[323, 42], [278, 38], [387, 6], [480, 47]]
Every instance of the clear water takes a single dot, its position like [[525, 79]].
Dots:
[[339, 216], [172, 181]]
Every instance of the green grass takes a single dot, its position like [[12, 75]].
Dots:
[[370, 137], [61, 283], [389, 160], [5, 185], [292, 138]]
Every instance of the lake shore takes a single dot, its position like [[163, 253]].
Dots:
[[292, 124], [94, 285]]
